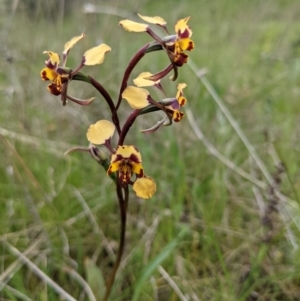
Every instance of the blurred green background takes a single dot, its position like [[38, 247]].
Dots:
[[208, 233]]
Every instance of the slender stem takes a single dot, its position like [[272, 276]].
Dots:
[[109, 101], [123, 210], [129, 122], [136, 58]]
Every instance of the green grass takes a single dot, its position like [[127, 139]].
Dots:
[[203, 226]]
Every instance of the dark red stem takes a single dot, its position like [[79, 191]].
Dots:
[[133, 62], [109, 101], [129, 122]]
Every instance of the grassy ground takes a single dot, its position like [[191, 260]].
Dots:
[[211, 232]]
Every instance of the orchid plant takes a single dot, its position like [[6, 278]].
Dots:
[[122, 162]]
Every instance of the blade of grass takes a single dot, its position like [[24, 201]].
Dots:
[[155, 263], [38, 272], [285, 208]]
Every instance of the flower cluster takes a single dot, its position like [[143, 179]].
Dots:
[[125, 161]]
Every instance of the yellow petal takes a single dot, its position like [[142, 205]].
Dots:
[[177, 115], [144, 187], [186, 44], [99, 132], [53, 57], [72, 42], [180, 88], [114, 166], [128, 151], [48, 74], [181, 26], [137, 168], [133, 26], [153, 20], [96, 55], [142, 81], [136, 97]]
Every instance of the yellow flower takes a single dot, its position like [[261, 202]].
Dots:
[[59, 75], [53, 72], [126, 159], [181, 43], [173, 105]]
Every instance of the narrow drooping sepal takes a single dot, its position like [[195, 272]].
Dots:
[[82, 102], [165, 121]]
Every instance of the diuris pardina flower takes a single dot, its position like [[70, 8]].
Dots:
[[181, 42], [175, 45], [139, 98], [126, 160], [59, 75]]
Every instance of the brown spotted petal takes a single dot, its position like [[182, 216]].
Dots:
[[182, 29], [53, 60], [54, 89]]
